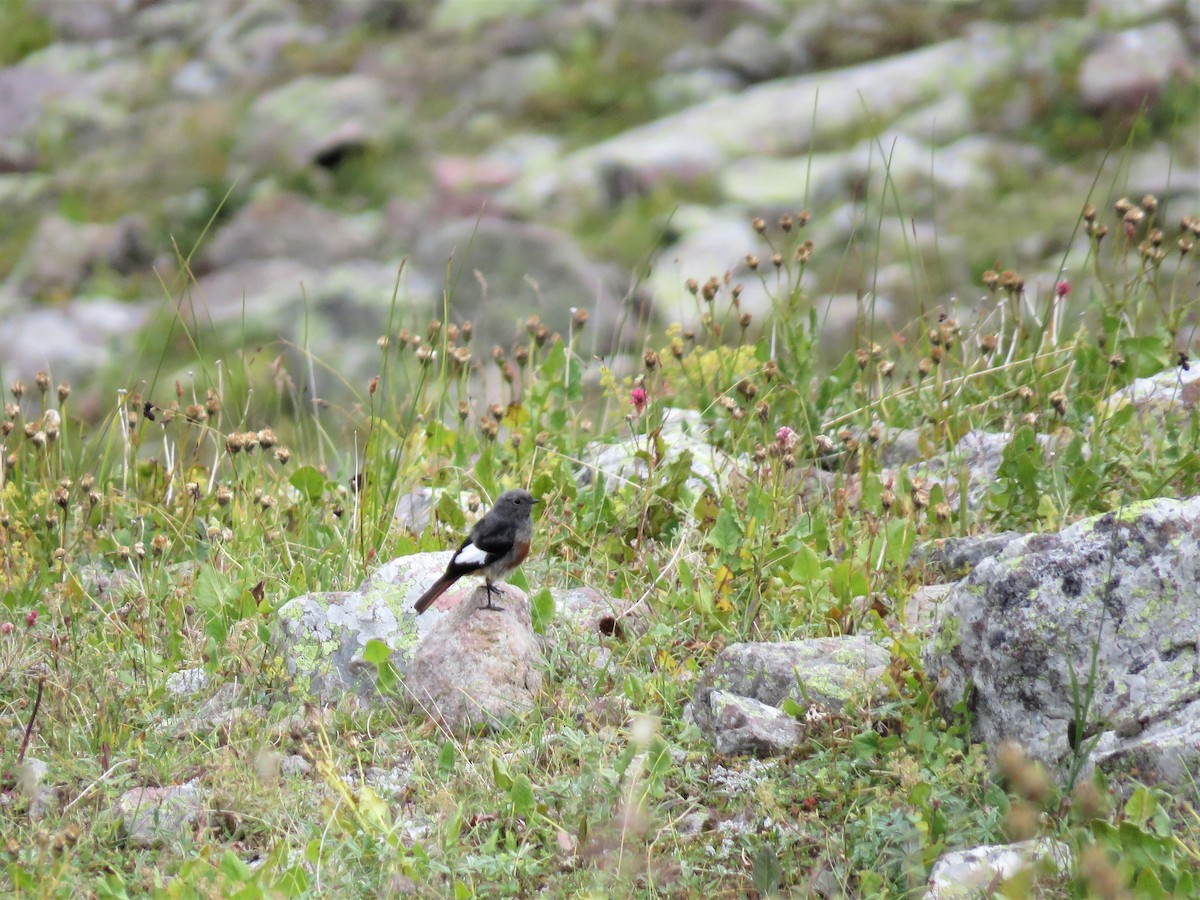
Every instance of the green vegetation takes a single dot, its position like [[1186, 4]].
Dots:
[[166, 536], [22, 31]]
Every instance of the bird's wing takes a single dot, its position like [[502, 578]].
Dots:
[[491, 535]]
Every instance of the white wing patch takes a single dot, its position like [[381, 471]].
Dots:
[[470, 555]]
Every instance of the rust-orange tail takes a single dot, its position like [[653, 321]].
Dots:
[[438, 588]]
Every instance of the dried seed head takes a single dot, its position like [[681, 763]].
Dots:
[[62, 497], [540, 336], [1150, 204], [159, 544], [920, 498], [887, 498], [887, 368], [521, 355], [542, 438], [1089, 212], [424, 355], [224, 496], [744, 320], [802, 218], [862, 357], [467, 330], [925, 366], [489, 428], [777, 260], [1133, 216], [403, 338], [12, 410], [710, 289], [747, 388], [651, 360], [825, 444], [1058, 400], [464, 410], [508, 372], [693, 286], [17, 389], [282, 455], [874, 434], [1030, 419], [937, 354], [762, 409], [942, 512], [579, 318], [267, 438], [987, 344], [515, 440], [1025, 394], [1185, 245], [42, 380], [452, 333], [496, 411], [677, 348], [751, 262], [1122, 206], [759, 225], [786, 222], [771, 370], [991, 278]]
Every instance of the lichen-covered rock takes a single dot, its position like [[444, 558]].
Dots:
[[151, 816], [1167, 752], [743, 726], [479, 668], [976, 872], [320, 637], [1122, 586], [820, 673]]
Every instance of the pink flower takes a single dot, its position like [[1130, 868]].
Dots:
[[786, 437], [1062, 289], [6, 628], [638, 397], [31, 619]]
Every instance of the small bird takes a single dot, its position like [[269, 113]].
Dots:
[[497, 544]]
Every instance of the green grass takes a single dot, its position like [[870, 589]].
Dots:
[[600, 793]]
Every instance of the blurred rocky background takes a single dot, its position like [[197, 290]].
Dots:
[[183, 177]]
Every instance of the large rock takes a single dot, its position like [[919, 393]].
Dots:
[[152, 816], [320, 637], [62, 254], [787, 116], [72, 342], [978, 871], [287, 226], [479, 668], [315, 120], [1132, 68], [819, 675], [527, 269], [1117, 591]]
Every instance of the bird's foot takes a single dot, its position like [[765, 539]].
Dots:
[[491, 590]]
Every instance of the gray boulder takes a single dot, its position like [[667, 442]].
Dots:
[[321, 637], [819, 674], [1121, 586], [479, 668], [152, 816]]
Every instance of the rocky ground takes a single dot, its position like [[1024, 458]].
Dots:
[[283, 171]]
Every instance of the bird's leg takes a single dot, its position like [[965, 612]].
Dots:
[[487, 584]]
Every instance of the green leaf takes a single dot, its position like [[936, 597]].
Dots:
[[765, 871], [447, 757], [521, 794], [376, 651], [543, 610], [500, 774], [449, 512], [726, 535], [309, 482]]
